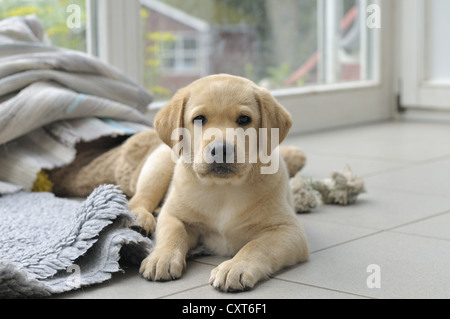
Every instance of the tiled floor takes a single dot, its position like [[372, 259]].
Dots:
[[402, 225]]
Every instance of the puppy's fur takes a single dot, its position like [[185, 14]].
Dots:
[[232, 208]]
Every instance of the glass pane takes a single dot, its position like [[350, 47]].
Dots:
[[350, 53], [64, 20], [438, 48], [169, 63], [298, 43], [190, 43], [347, 41], [190, 63]]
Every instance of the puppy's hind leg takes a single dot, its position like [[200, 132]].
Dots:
[[152, 184]]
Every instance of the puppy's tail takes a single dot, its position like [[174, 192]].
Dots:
[[294, 157]]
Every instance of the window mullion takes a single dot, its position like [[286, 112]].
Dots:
[[331, 41], [364, 56], [91, 29], [119, 35]]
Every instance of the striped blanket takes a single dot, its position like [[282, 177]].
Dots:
[[51, 99]]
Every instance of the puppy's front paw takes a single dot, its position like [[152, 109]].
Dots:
[[163, 266], [145, 220], [234, 276]]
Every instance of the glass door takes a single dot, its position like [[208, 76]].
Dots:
[[425, 72], [290, 44], [329, 62]]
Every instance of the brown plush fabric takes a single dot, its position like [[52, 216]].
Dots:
[[95, 166]]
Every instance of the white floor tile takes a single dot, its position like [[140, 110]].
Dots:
[[381, 209], [323, 235], [321, 166], [428, 178], [388, 141], [410, 267], [130, 285], [436, 227]]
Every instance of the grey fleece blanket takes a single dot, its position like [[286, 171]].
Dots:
[[50, 245]]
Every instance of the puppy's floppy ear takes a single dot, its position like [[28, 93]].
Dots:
[[171, 117], [273, 115]]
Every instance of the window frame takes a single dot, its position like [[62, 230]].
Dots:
[[313, 108], [418, 91], [116, 26], [179, 53]]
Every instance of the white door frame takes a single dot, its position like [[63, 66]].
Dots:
[[417, 91]]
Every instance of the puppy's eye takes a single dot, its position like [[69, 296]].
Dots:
[[244, 120], [199, 119]]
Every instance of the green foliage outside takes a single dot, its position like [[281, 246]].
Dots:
[[54, 16], [154, 43]]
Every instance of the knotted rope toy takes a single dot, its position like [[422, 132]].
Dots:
[[342, 188]]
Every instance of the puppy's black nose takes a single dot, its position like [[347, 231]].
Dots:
[[219, 149], [222, 152]]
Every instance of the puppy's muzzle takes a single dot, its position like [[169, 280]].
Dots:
[[220, 152], [221, 159]]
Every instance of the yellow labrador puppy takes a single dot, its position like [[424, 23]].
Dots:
[[226, 191]]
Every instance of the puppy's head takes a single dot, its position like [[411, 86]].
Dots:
[[221, 117]]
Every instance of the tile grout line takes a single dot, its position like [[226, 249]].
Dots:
[[336, 223], [362, 157], [325, 288], [206, 263], [181, 291], [350, 240], [274, 278], [391, 229], [388, 170], [406, 165], [432, 160], [409, 192], [418, 235], [419, 220]]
